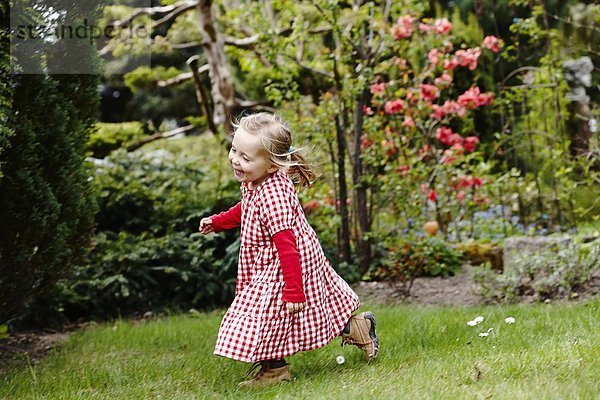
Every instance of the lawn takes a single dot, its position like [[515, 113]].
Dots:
[[552, 351]]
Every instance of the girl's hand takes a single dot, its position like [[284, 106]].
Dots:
[[295, 308], [206, 226]]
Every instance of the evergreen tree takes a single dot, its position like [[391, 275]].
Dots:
[[46, 204]]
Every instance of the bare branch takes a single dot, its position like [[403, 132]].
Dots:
[[185, 6], [188, 45], [181, 77], [151, 11], [247, 42], [243, 43], [161, 135]]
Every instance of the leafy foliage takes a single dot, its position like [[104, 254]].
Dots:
[[409, 259], [108, 137], [554, 272], [146, 254], [46, 198]]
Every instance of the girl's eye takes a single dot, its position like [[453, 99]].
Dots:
[[246, 158]]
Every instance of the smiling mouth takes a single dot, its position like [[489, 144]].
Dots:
[[238, 173]]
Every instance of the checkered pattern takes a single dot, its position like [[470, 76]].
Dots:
[[256, 326]]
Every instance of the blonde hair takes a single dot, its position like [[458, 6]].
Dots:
[[276, 142]]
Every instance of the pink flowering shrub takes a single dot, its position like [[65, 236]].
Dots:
[[419, 125]]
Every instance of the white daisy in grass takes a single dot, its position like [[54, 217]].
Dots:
[[484, 334], [340, 359], [475, 321], [509, 320]]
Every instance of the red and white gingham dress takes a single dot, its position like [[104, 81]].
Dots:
[[257, 326]]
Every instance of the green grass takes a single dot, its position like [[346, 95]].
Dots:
[[551, 352]]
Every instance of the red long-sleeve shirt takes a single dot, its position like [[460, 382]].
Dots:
[[287, 250]]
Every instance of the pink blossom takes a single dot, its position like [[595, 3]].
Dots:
[[460, 196], [403, 27], [450, 64], [424, 152], [470, 143], [470, 98], [454, 139], [400, 62], [452, 107], [403, 169], [365, 142], [367, 110], [485, 99], [492, 43], [473, 98], [438, 113], [433, 56], [432, 195], [458, 147], [424, 187], [429, 92], [448, 157], [468, 57], [442, 26], [443, 80], [443, 135], [408, 122], [465, 182], [424, 28], [378, 88], [394, 106]]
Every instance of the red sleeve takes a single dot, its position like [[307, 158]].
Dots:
[[227, 219], [285, 242]]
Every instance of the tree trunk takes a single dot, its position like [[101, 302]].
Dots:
[[218, 68], [362, 210], [342, 145]]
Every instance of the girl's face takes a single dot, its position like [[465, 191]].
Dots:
[[248, 161]]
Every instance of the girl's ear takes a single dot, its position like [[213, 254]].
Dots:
[[272, 168]]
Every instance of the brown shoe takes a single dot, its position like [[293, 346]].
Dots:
[[267, 375], [360, 331]]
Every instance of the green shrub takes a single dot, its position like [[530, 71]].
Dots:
[[410, 259], [46, 202], [111, 136], [126, 273], [147, 253], [543, 274]]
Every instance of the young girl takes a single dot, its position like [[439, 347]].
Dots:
[[288, 296]]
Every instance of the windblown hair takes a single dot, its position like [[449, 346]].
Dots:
[[276, 140]]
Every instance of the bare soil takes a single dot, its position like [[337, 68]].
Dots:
[[458, 290], [28, 347]]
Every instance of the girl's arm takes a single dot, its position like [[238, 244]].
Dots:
[[227, 219], [285, 242]]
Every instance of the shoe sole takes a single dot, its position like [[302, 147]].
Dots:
[[369, 315]]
